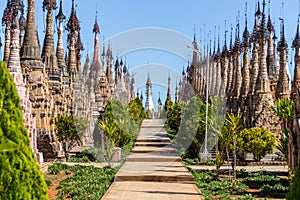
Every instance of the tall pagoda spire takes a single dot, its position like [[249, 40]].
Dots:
[[30, 49], [86, 66], [73, 27], [263, 82], [169, 93], [294, 155], [132, 95], [96, 57], [282, 89], [224, 66], [218, 68], [60, 31], [33, 67], [263, 115], [22, 25], [149, 105], [6, 20], [48, 52], [14, 64], [270, 55], [237, 72], [296, 46], [230, 65], [79, 47], [246, 60]]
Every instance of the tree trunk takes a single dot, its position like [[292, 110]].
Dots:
[[234, 163], [227, 153]]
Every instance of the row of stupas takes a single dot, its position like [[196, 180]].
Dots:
[[53, 82], [250, 76]]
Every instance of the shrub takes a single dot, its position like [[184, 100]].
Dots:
[[20, 176], [257, 180], [88, 153], [276, 191], [83, 159], [48, 182], [56, 168], [259, 141], [294, 192]]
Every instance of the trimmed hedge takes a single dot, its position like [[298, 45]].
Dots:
[[20, 177]]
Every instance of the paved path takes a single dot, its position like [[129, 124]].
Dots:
[[153, 170]]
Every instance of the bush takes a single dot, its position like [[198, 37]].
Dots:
[[20, 176], [247, 197], [276, 191], [48, 182], [83, 159], [260, 179], [56, 168], [88, 153], [259, 141], [294, 192]]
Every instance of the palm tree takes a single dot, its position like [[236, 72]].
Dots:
[[285, 109], [229, 136], [110, 130]]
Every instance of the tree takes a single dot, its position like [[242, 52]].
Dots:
[[20, 176], [68, 132], [112, 138], [136, 111], [117, 115], [294, 192], [191, 131], [230, 135], [173, 119], [258, 141], [285, 109]]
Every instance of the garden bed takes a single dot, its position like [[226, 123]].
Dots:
[[78, 182], [248, 185]]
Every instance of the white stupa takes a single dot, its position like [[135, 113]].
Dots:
[[149, 105]]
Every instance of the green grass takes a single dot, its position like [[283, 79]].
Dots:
[[87, 182]]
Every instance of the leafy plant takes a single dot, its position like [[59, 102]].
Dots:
[[277, 191], [83, 159], [191, 132], [246, 197], [285, 109], [69, 131], [48, 182], [257, 180], [294, 192], [57, 167], [259, 141], [88, 182], [90, 154]]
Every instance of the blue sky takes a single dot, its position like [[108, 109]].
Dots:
[[116, 18]]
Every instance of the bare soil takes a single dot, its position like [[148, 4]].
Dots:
[[55, 179]]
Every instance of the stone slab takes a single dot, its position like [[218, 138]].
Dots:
[[153, 191], [154, 171], [153, 144], [152, 157], [164, 150]]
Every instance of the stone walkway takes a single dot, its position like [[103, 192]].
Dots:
[[153, 170]]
